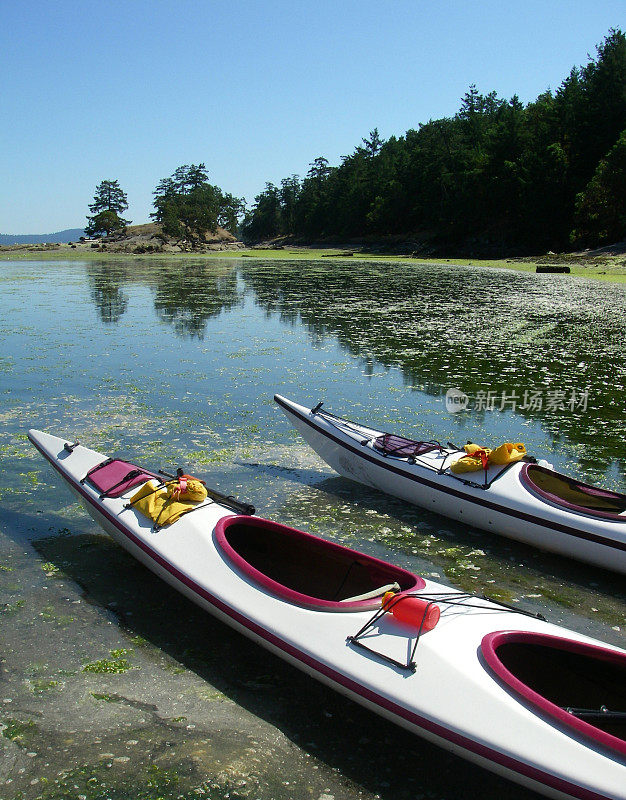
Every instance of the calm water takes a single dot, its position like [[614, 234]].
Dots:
[[112, 685]]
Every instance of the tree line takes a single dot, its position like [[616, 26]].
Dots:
[[498, 176]]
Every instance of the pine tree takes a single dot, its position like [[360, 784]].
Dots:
[[601, 207], [108, 203]]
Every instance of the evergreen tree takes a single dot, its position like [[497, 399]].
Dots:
[[311, 216], [601, 207], [263, 222], [288, 194], [188, 207], [109, 203]]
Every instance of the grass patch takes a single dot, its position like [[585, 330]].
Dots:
[[114, 665], [606, 268]]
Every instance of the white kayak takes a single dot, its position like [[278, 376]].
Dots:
[[524, 500], [526, 699]]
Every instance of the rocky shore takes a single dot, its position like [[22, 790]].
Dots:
[[140, 239], [150, 238]]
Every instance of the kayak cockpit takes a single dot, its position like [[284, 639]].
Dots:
[[306, 570], [572, 494], [582, 686]]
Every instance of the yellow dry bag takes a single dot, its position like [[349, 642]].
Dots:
[[164, 505], [477, 457]]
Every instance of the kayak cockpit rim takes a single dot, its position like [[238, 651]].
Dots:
[[582, 686], [583, 498], [306, 570]]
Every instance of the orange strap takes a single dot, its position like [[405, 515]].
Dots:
[[484, 457]]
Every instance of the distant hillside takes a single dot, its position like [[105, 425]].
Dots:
[[69, 235]]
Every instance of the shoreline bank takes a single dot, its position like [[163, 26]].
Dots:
[[602, 266]]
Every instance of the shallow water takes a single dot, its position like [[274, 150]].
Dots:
[[112, 685]]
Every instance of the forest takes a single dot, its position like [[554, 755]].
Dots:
[[497, 178]]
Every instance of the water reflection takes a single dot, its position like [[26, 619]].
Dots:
[[508, 333], [188, 298], [186, 295], [479, 330], [107, 295]]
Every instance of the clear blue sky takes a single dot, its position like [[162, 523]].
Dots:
[[256, 90]]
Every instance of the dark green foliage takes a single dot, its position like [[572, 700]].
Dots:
[[108, 203], [497, 177], [188, 207], [265, 221], [104, 224], [601, 207]]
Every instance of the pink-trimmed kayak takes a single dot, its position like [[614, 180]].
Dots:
[[524, 501], [528, 700]]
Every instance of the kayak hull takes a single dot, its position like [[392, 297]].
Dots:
[[451, 699], [506, 507]]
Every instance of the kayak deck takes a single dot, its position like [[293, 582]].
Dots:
[[430, 455], [552, 486]]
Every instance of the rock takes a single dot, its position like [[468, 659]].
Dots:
[[149, 238]]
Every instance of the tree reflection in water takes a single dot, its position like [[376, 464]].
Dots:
[[186, 294], [479, 330], [106, 292], [187, 298]]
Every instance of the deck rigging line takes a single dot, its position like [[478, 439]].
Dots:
[[444, 598], [341, 423]]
